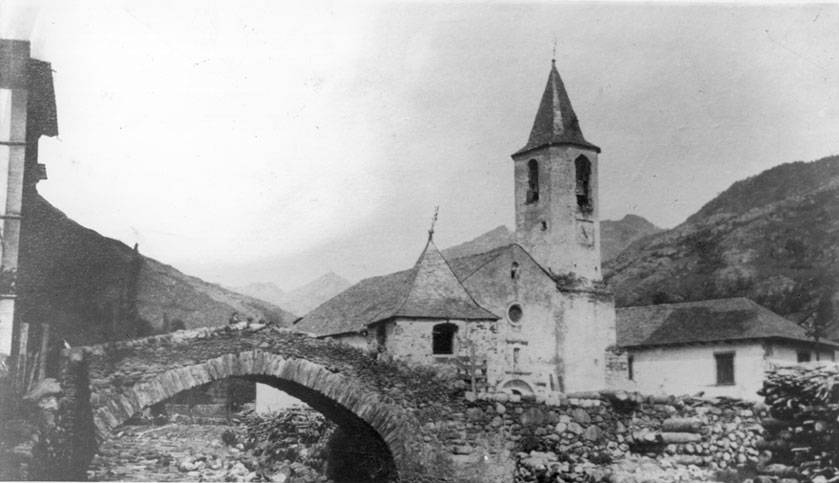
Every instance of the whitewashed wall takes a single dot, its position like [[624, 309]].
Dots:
[[692, 369]]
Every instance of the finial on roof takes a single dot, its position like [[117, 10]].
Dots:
[[433, 222], [553, 59]]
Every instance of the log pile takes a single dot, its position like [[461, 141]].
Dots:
[[804, 434]]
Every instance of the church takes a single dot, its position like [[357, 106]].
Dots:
[[528, 318]]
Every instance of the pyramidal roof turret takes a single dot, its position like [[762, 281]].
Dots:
[[556, 123], [434, 291]]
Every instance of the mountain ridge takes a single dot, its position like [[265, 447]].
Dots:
[[92, 289], [773, 237], [301, 299]]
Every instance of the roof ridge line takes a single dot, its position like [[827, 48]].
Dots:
[[499, 249], [413, 277], [468, 293]]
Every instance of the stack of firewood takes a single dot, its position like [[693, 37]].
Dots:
[[804, 400]]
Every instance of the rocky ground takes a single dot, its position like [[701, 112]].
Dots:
[[190, 452]]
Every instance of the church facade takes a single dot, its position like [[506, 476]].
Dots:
[[531, 317]]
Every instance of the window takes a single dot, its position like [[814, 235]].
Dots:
[[516, 355], [582, 167], [517, 386], [442, 339], [514, 313], [381, 335], [725, 368], [514, 271], [630, 368], [804, 356], [532, 181]]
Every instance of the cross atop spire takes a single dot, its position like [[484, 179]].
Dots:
[[433, 222], [556, 122]]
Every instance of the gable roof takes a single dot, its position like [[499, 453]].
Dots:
[[428, 290], [703, 321], [556, 122]]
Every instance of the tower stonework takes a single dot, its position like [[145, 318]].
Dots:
[[556, 189]]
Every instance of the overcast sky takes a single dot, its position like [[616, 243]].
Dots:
[[275, 141]]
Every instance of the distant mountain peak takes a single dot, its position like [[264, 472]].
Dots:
[[267, 291], [303, 299]]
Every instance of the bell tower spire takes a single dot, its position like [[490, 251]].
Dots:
[[556, 189]]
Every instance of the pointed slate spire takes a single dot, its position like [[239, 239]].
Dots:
[[435, 291], [556, 123]]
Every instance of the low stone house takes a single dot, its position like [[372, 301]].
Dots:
[[719, 347], [422, 315]]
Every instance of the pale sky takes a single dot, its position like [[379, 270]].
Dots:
[[276, 141]]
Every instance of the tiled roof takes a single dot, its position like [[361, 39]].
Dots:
[[428, 290], [556, 123], [703, 321]]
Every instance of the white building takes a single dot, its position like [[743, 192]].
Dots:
[[717, 347]]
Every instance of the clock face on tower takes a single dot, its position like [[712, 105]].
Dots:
[[585, 232]]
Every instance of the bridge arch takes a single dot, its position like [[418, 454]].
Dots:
[[338, 397]]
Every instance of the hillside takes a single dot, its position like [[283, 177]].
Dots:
[[266, 291], [773, 238], [91, 288], [302, 300], [497, 237], [615, 236]]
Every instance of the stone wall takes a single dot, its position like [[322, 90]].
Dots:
[[411, 339], [432, 430], [575, 438]]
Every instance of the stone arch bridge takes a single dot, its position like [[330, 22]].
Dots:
[[397, 407]]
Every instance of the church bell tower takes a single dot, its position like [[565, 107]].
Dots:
[[556, 192]]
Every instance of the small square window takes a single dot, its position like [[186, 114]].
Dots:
[[442, 339], [803, 356], [725, 368]]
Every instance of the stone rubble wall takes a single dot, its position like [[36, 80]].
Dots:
[[575, 437]]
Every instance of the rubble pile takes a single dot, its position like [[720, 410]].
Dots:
[[292, 443], [804, 432], [285, 447]]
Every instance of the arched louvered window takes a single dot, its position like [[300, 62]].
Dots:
[[532, 181], [582, 167]]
